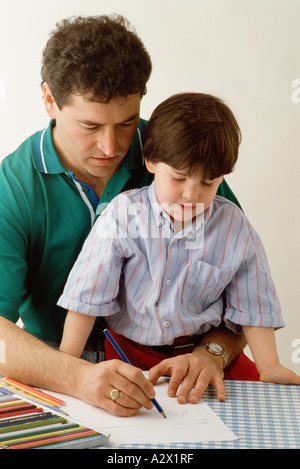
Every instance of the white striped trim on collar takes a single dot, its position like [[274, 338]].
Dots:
[[141, 145], [86, 200], [42, 152]]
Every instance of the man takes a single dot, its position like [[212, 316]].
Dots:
[[52, 187]]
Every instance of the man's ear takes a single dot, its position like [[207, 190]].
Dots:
[[150, 166], [49, 101]]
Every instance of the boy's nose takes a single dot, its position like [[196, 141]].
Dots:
[[192, 192]]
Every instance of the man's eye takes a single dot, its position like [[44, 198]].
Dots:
[[128, 124], [89, 127]]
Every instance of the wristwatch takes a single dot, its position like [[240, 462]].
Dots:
[[216, 349]]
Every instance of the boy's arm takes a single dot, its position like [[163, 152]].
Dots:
[[262, 343], [77, 329]]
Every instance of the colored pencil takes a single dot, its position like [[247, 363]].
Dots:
[[33, 391], [125, 359], [13, 404], [38, 431], [57, 439], [5, 392], [48, 436], [21, 412], [15, 408], [20, 420], [30, 396], [89, 442], [38, 401], [45, 432], [32, 424], [7, 399]]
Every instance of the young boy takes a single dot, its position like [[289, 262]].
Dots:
[[165, 263]]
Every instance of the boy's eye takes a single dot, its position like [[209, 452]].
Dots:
[[208, 182], [175, 179]]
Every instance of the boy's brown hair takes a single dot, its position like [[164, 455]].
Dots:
[[191, 132], [99, 57]]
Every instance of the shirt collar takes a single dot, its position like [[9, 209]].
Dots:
[[45, 158], [161, 216]]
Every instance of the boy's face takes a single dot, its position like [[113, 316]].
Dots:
[[182, 197], [92, 138]]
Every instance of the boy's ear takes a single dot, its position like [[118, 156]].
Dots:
[[150, 166]]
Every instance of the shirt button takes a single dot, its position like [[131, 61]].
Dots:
[[167, 324], [168, 282]]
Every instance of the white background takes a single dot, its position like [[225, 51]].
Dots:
[[245, 51]]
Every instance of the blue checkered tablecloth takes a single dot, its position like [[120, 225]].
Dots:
[[262, 415]]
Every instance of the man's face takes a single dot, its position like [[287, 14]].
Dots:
[[92, 138]]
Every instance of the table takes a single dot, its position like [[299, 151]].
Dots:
[[262, 415]]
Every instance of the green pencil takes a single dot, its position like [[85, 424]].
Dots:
[[24, 426]]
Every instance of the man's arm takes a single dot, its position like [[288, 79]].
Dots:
[[29, 360], [196, 370]]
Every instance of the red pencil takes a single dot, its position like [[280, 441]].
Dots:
[[21, 412]]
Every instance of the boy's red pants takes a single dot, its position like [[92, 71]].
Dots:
[[144, 357]]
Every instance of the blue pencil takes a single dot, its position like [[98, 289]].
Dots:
[[125, 359]]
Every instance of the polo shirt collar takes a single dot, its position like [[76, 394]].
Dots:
[[45, 158]]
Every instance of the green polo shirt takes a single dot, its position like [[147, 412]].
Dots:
[[46, 214], [45, 217]]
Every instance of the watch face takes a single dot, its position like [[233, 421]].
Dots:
[[216, 348]]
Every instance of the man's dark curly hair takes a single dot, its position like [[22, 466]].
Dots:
[[98, 57]]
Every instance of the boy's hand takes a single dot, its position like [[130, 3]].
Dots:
[[190, 374], [279, 374]]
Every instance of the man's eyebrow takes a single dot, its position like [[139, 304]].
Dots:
[[91, 123], [131, 118]]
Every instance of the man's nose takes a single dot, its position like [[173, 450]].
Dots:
[[108, 142]]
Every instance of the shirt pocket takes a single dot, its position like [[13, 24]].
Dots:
[[202, 285]]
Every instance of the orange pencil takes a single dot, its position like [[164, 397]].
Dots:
[[33, 391], [31, 395]]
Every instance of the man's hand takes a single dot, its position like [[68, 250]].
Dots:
[[97, 381], [190, 375]]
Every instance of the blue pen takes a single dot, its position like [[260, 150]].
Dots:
[[125, 359]]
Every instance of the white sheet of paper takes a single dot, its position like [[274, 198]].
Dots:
[[184, 423]]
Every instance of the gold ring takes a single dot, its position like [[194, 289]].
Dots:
[[114, 394]]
